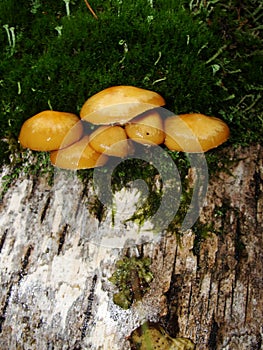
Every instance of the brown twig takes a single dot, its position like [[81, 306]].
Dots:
[[89, 7]]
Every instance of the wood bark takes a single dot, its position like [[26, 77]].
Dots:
[[55, 292]]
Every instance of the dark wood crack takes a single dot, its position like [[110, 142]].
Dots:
[[45, 209], [3, 238], [62, 238], [88, 312]]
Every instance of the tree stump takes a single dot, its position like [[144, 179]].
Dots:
[[55, 292]]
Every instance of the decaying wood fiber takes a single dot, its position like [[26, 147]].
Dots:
[[55, 292]]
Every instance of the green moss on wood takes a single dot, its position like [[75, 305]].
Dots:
[[132, 278]]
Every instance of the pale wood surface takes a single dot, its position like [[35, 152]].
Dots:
[[55, 292]]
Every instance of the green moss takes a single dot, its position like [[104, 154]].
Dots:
[[151, 336], [132, 170], [132, 278], [60, 60], [28, 164], [201, 232]]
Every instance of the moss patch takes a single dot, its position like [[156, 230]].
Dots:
[[132, 277], [204, 58]]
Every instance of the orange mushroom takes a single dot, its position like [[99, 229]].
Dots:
[[110, 140], [194, 132], [79, 155], [50, 130], [146, 129], [119, 104]]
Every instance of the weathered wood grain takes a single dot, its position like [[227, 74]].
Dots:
[[219, 302], [55, 292]]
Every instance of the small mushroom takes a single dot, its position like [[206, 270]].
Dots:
[[50, 130], [194, 133], [119, 104], [79, 155], [146, 129], [110, 140]]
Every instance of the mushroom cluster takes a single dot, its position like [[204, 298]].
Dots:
[[121, 116]]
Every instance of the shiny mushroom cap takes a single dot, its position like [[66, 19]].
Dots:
[[79, 155], [146, 129], [50, 130], [119, 104], [194, 133], [110, 140]]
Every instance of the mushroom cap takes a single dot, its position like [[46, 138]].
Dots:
[[194, 133], [50, 130], [119, 104], [146, 129], [110, 140], [79, 155]]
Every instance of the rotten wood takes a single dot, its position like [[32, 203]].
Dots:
[[55, 292]]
